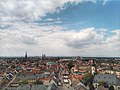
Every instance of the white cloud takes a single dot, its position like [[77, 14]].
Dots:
[[56, 40], [17, 36], [49, 19], [12, 10], [28, 9], [114, 40]]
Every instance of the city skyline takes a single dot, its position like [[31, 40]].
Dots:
[[60, 28]]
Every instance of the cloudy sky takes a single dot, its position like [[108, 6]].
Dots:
[[60, 27]]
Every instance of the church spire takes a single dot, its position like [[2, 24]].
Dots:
[[26, 55]]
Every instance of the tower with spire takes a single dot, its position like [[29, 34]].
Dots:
[[93, 67], [26, 55]]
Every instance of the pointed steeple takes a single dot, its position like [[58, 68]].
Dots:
[[26, 55]]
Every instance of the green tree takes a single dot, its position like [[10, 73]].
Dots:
[[111, 88], [39, 82], [91, 87], [88, 75], [102, 82], [88, 78], [24, 82], [70, 65]]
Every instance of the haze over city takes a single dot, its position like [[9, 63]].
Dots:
[[60, 27]]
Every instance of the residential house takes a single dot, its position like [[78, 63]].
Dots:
[[110, 79]]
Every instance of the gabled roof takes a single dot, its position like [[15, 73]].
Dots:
[[109, 78], [39, 87], [33, 87], [34, 76]]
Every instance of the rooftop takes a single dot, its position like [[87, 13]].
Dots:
[[109, 78]]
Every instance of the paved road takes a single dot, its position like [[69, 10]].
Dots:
[[78, 86], [10, 82], [64, 86]]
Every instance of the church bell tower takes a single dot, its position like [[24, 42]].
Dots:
[[26, 56]]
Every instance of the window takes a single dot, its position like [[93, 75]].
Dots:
[[96, 85], [118, 88]]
